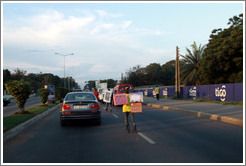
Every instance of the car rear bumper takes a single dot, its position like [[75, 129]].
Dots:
[[79, 116]]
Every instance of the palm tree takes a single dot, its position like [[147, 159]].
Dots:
[[190, 71]]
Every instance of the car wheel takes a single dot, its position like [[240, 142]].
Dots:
[[63, 123], [98, 121]]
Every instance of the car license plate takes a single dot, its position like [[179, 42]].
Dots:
[[80, 107]]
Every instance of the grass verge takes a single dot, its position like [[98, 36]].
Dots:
[[13, 120]]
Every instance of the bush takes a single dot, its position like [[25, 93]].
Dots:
[[61, 93], [44, 93], [20, 90]]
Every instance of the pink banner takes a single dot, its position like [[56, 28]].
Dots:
[[120, 99]]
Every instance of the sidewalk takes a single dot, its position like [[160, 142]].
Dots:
[[232, 114]]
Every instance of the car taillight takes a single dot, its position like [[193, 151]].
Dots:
[[94, 105], [66, 107]]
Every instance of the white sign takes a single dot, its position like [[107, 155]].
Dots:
[[192, 92], [221, 92], [146, 92], [165, 92], [107, 96], [153, 92], [136, 97]]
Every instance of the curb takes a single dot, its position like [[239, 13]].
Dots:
[[224, 119], [16, 130]]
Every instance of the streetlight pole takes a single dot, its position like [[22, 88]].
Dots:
[[64, 55]]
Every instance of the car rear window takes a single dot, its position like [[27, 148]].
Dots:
[[80, 96], [122, 88]]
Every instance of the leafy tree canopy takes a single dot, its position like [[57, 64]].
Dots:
[[223, 59]]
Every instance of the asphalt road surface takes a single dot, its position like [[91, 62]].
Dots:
[[12, 107], [163, 137]]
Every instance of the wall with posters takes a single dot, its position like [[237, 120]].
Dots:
[[216, 92]]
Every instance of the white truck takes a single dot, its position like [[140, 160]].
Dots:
[[101, 89]]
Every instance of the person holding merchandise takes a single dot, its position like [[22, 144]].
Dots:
[[126, 109], [96, 93], [108, 104], [157, 92]]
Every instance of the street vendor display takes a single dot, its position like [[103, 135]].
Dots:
[[136, 100]]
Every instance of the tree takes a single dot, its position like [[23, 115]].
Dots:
[[223, 57], [153, 73], [136, 76], [61, 93], [20, 90], [168, 73], [19, 74], [6, 77], [44, 93], [110, 82], [190, 71]]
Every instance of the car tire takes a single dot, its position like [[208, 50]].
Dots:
[[98, 121], [63, 123]]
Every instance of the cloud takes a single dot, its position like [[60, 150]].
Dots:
[[126, 24], [102, 47], [28, 66], [104, 14]]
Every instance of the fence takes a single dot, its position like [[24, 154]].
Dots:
[[216, 92]]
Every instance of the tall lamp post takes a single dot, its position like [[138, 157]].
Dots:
[[64, 55]]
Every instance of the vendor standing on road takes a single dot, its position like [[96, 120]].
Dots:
[[108, 104], [96, 93], [126, 109], [157, 92]]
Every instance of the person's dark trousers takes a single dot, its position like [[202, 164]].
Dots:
[[127, 127], [157, 96], [108, 107]]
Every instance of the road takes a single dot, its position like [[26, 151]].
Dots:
[[12, 107], [163, 137]]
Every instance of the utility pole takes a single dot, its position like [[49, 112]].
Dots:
[[177, 74], [64, 66], [121, 77]]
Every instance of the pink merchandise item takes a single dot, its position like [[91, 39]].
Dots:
[[120, 99]]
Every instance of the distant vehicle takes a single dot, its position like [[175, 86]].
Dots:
[[120, 89], [6, 101], [80, 106], [101, 94], [51, 96], [77, 90], [103, 85]]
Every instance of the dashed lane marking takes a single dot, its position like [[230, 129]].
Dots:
[[146, 138], [115, 116]]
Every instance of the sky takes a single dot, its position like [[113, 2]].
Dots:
[[105, 38]]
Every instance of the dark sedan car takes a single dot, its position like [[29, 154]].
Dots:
[[80, 106], [6, 101]]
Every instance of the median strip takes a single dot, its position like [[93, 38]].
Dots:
[[224, 119], [20, 127]]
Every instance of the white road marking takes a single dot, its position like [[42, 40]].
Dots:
[[146, 138], [115, 116]]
